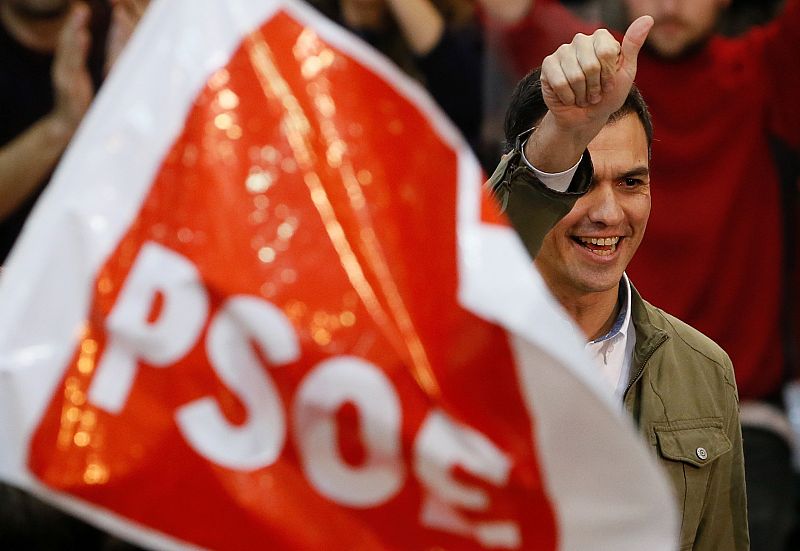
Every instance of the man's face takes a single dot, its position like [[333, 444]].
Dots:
[[679, 24], [587, 251], [40, 9]]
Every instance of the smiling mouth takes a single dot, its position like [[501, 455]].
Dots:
[[601, 246]]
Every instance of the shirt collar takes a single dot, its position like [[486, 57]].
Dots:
[[624, 316]]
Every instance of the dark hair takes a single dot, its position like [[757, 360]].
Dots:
[[528, 107]]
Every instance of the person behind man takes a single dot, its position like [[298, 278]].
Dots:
[[53, 57], [577, 189], [719, 104]]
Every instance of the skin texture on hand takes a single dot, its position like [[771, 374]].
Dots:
[[72, 82], [583, 84]]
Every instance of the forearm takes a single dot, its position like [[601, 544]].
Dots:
[[507, 11], [420, 22], [27, 160], [553, 148]]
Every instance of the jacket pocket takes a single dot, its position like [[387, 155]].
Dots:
[[687, 451], [695, 445]]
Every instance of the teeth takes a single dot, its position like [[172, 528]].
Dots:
[[603, 241]]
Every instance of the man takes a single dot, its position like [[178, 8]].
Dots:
[[715, 250], [582, 216]]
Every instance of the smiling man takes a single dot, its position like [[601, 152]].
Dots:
[[576, 186]]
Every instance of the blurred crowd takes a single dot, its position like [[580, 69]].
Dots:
[[722, 78]]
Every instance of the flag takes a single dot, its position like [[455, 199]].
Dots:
[[265, 303]]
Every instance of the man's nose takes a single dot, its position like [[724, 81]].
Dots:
[[604, 207]]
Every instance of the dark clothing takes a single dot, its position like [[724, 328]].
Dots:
[[28, 523], [770, 489], [26, 95], [453, 73]]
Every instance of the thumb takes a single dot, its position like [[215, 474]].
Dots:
[[633, 42]]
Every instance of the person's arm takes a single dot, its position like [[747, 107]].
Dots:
[[507, 12], [526, 35], [450, 57], [124, 18], [420, 22], [724, 521], [583, 84], [26, 161]]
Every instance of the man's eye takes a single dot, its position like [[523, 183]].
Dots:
[[631, 182]]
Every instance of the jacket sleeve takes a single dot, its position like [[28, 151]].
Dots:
[[532, 207], [724, 520]]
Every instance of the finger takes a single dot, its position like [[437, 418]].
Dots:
[[553, 79], [139, 7], [590, 65], [607, 50], [633, 41], [73, 43], [572, 70]]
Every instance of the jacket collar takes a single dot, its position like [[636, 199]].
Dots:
[[648, 337]]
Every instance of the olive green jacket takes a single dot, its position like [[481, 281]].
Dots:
[[682, 392]]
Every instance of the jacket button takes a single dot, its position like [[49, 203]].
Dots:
[[702, 454]]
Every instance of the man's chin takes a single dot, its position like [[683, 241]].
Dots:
[[670, 49]]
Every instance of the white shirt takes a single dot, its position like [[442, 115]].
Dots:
[[613, 352]]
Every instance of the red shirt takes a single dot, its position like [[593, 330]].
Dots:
[[712, 254]]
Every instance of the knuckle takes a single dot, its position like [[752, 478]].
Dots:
[[603, 33], [607, 50], [590, 66], [574, 76], [580, 38], [557, 81], [564, 49]]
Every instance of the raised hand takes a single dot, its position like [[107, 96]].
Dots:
[[583, 84], [125, 17], [586, 81], [72, 82]]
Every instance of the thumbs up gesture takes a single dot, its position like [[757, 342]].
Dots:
[[587, 80], [583, 84]]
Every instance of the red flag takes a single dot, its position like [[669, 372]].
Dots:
[[259, 307]]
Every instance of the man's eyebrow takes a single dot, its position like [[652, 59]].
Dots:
[[636, 172]]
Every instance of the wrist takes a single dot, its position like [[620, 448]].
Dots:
[[556, 146], [58, 129]]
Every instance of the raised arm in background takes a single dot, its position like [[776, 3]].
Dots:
[[27, 160]]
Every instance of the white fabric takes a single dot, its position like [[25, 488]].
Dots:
[[557, 181], [613, 354]]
